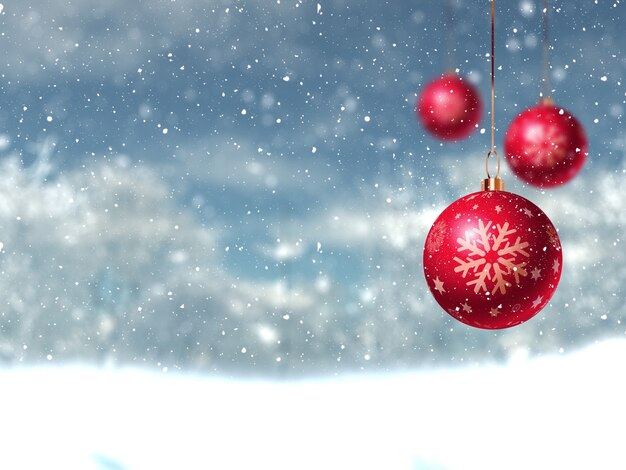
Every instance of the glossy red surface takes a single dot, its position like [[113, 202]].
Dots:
[[492, 259], [545, 146], [449, 108]]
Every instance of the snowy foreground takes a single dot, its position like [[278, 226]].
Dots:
[[557, 412]]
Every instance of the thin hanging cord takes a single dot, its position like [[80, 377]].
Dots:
[[493, 78], [493, 151], [546, 53], [450, 36]]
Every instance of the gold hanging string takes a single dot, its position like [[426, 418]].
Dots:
[[493, 182], [546, 54], [493, 78]]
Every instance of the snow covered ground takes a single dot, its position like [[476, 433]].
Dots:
[[562, 412]]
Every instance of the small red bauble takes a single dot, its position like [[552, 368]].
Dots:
[[449, 108], [492, 259], [545, 145]]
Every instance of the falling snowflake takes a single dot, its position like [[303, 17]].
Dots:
[[492, 257], [437, 235]]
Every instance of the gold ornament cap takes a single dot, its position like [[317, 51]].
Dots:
[[492, 184]]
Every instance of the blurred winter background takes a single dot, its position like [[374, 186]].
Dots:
[[213, 213]]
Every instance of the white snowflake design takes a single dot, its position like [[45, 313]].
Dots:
[[547, 147], [492, 257], [553, 236], [437, 236]]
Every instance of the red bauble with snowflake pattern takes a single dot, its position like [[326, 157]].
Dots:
[[492, 259], [545, 145], [449, 107]]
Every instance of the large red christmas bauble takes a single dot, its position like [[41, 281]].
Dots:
[[449, 107], [492, 259], [545, 145]]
